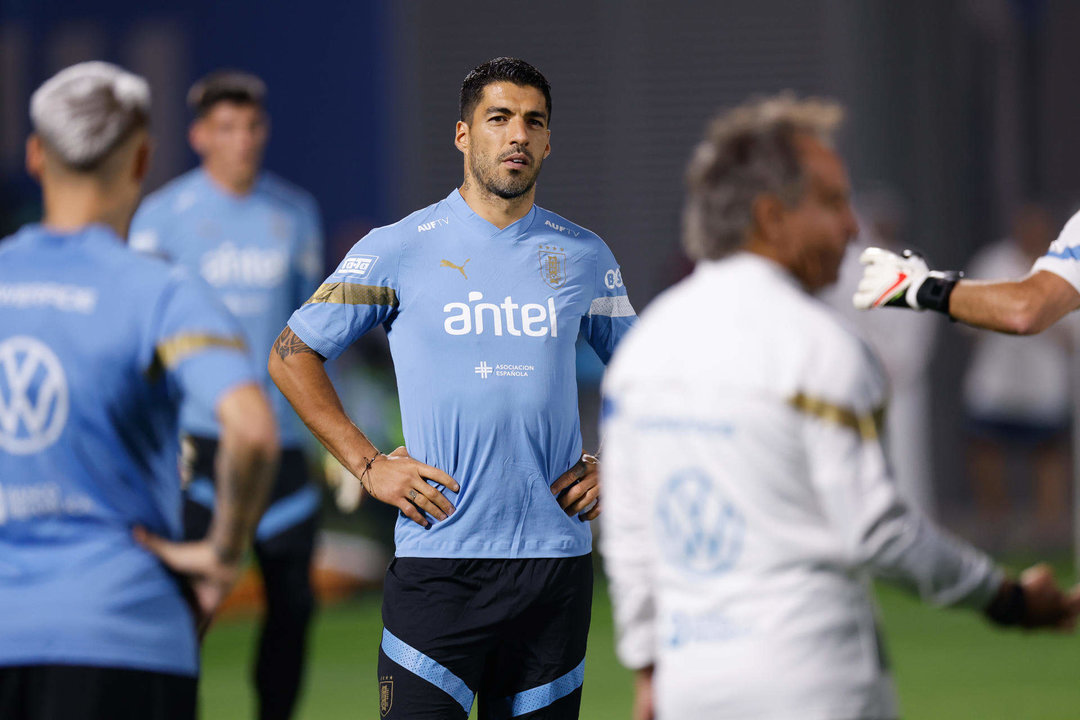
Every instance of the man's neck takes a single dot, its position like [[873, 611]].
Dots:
[[758, 247], [238, 186], [69, 207], [500, 212]]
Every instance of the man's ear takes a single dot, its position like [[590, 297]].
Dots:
[[461, 135], [197, 137], [768, 217], [35, 156], [142, 159]]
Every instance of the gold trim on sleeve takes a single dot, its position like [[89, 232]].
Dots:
[[342, 293], [867, 425], [173, 351]]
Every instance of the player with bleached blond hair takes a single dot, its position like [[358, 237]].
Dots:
[[748, 497], [101, 607]]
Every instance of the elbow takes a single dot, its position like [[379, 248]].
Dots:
[[255, 441], [1026, 317], [276, 367]]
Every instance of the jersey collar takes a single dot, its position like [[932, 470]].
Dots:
[[463, 212], [93, 231]]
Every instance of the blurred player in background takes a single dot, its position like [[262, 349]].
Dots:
[[1018, 401], [483, 295], [98, 347], [748, 497], [257, 240]]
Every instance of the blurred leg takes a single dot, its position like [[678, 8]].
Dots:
[[987, 462], [290, 603], [1052, 466]]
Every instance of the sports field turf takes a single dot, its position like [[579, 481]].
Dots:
[[949, 665]]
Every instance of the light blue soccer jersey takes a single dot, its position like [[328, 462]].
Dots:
[[482, 325], [261, 252], [98, 347]]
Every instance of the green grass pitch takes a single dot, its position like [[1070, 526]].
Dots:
[[949, 665]]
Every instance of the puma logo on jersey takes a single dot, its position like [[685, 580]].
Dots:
[[460, 268], [532, 319]]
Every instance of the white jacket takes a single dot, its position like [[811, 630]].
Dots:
[[747, 500]]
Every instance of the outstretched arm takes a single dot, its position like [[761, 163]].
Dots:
[[1019, 307], [395, 479]]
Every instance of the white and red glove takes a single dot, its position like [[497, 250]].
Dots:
[[902, 281]]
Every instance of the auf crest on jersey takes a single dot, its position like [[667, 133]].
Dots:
[[553, 266]]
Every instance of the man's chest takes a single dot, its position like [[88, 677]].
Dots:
[[246, 250], [522, 290]]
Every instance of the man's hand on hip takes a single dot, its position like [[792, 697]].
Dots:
[[578, 489], [399, 480], [209, 573]]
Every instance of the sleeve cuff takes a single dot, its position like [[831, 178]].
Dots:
[[1067, 270], [328, 349]]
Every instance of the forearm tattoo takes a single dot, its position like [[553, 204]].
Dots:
[[288, 343]]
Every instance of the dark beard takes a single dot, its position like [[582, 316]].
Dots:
[[508, 188]]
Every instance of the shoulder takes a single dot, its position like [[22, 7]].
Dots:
[[555, 224], [284, 193], [837, 359], [172, 196], [1067, 244], [376, 254], [407, 228], [146, 268]]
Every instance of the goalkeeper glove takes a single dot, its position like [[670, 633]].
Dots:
[[902, 281]]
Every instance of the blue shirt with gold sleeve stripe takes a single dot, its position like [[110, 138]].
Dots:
[[260, 252], [99, 345], [482, 325]]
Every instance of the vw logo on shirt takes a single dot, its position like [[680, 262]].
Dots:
[[699, 529], [33, 395]]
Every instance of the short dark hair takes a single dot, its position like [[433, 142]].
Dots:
[[500, 69], [225, 86]]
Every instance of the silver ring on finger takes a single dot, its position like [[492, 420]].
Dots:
[[413, 494]]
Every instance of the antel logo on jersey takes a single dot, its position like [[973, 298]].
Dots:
[[358, 265], [532, 319], [613, 279], [230, 265], [33, 396], [704, 536]]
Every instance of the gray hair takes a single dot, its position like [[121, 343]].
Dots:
[[86, 111], [746, 152]]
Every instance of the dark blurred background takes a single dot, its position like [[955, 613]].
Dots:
[[960, 110]]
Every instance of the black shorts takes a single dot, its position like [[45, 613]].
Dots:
[[288, 525], [511, 631], [76, 692]]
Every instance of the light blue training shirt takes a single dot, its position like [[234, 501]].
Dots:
[[262, 252], [482, 324], [98, 347]]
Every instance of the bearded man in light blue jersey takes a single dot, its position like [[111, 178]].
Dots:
[[483, 295], [257, 240], [100, 605]]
